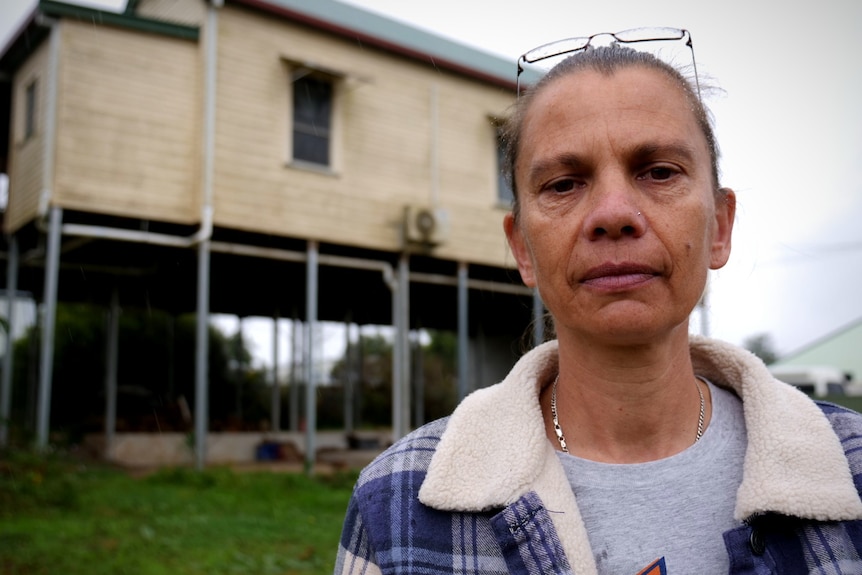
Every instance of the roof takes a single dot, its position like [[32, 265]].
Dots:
[[840, 348], [327, 15], [35, 27], [380, 31]]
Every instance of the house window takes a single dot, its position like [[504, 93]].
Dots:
[[504, 190], [312, 119], [30, 111]]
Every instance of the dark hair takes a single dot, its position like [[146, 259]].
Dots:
[[605, 60]]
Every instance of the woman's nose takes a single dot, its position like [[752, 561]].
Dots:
[[613, 211]]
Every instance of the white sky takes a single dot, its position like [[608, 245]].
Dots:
[[789, 124]]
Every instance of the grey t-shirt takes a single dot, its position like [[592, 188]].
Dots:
[[670, 512]]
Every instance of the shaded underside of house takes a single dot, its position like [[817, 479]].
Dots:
[[264, 275]]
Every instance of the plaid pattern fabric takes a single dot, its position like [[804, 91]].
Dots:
[[774, 544], [387, 530]]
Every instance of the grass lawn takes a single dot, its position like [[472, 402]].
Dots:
[[62, 517]]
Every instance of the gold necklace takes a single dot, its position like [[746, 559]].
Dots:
[[562, 438]]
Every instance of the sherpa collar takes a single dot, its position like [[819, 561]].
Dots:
[[494, 448]]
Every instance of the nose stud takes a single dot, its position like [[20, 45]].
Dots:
[[639, 213]]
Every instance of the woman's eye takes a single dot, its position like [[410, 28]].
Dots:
[[562, 186], [660, 173]]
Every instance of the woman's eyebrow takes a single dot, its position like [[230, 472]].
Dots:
[[674, 150], [543, 165]]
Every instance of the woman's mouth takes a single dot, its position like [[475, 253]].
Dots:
[[618, 276]]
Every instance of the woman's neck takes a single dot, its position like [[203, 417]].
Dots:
[[627, 404]]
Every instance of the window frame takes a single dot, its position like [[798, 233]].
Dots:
[[29, 126], [504, 194], [318, 128], [296, 70]]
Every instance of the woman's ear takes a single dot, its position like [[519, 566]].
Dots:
[[725, 213], [520, 250]]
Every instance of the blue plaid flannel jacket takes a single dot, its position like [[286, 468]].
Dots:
[[437, 502]]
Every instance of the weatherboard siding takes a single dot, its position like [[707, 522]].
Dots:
[[129, 139], [382, 157], [27, 155], [129, 116]]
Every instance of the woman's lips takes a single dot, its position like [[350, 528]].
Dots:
[[618, 276]]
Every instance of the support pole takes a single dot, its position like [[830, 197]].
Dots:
[[204, 246], [112, 337], [310, 393], [348, 381], [275, 416], [9, 352], [240, 370], [49, 317], [463, 333], [202, 356], [397, 425], [404, 341], [401, 351], [296, 330], [419, 381], [359, 366]]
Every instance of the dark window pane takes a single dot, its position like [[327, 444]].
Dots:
[[30, 112], [311, 148], [312, 101], [312, 119], [504, 190]]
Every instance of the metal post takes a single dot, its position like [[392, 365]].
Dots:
[[170, 368], [203, 307], [404, 341], [275, 416], [202, 355], [112, 337], [463, 333], [401, 351], [240, 370], [348, 381], [360, 363], [397, 425], [9, 353], [538, 319], [310, 394], [419, 379], [49, 316], [296, 330]]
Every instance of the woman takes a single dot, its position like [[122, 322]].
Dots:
[[626, 446]]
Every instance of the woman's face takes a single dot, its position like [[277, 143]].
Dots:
[[618, 219]]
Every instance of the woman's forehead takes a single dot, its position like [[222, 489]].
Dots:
[[635, 83], [630, 99]]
